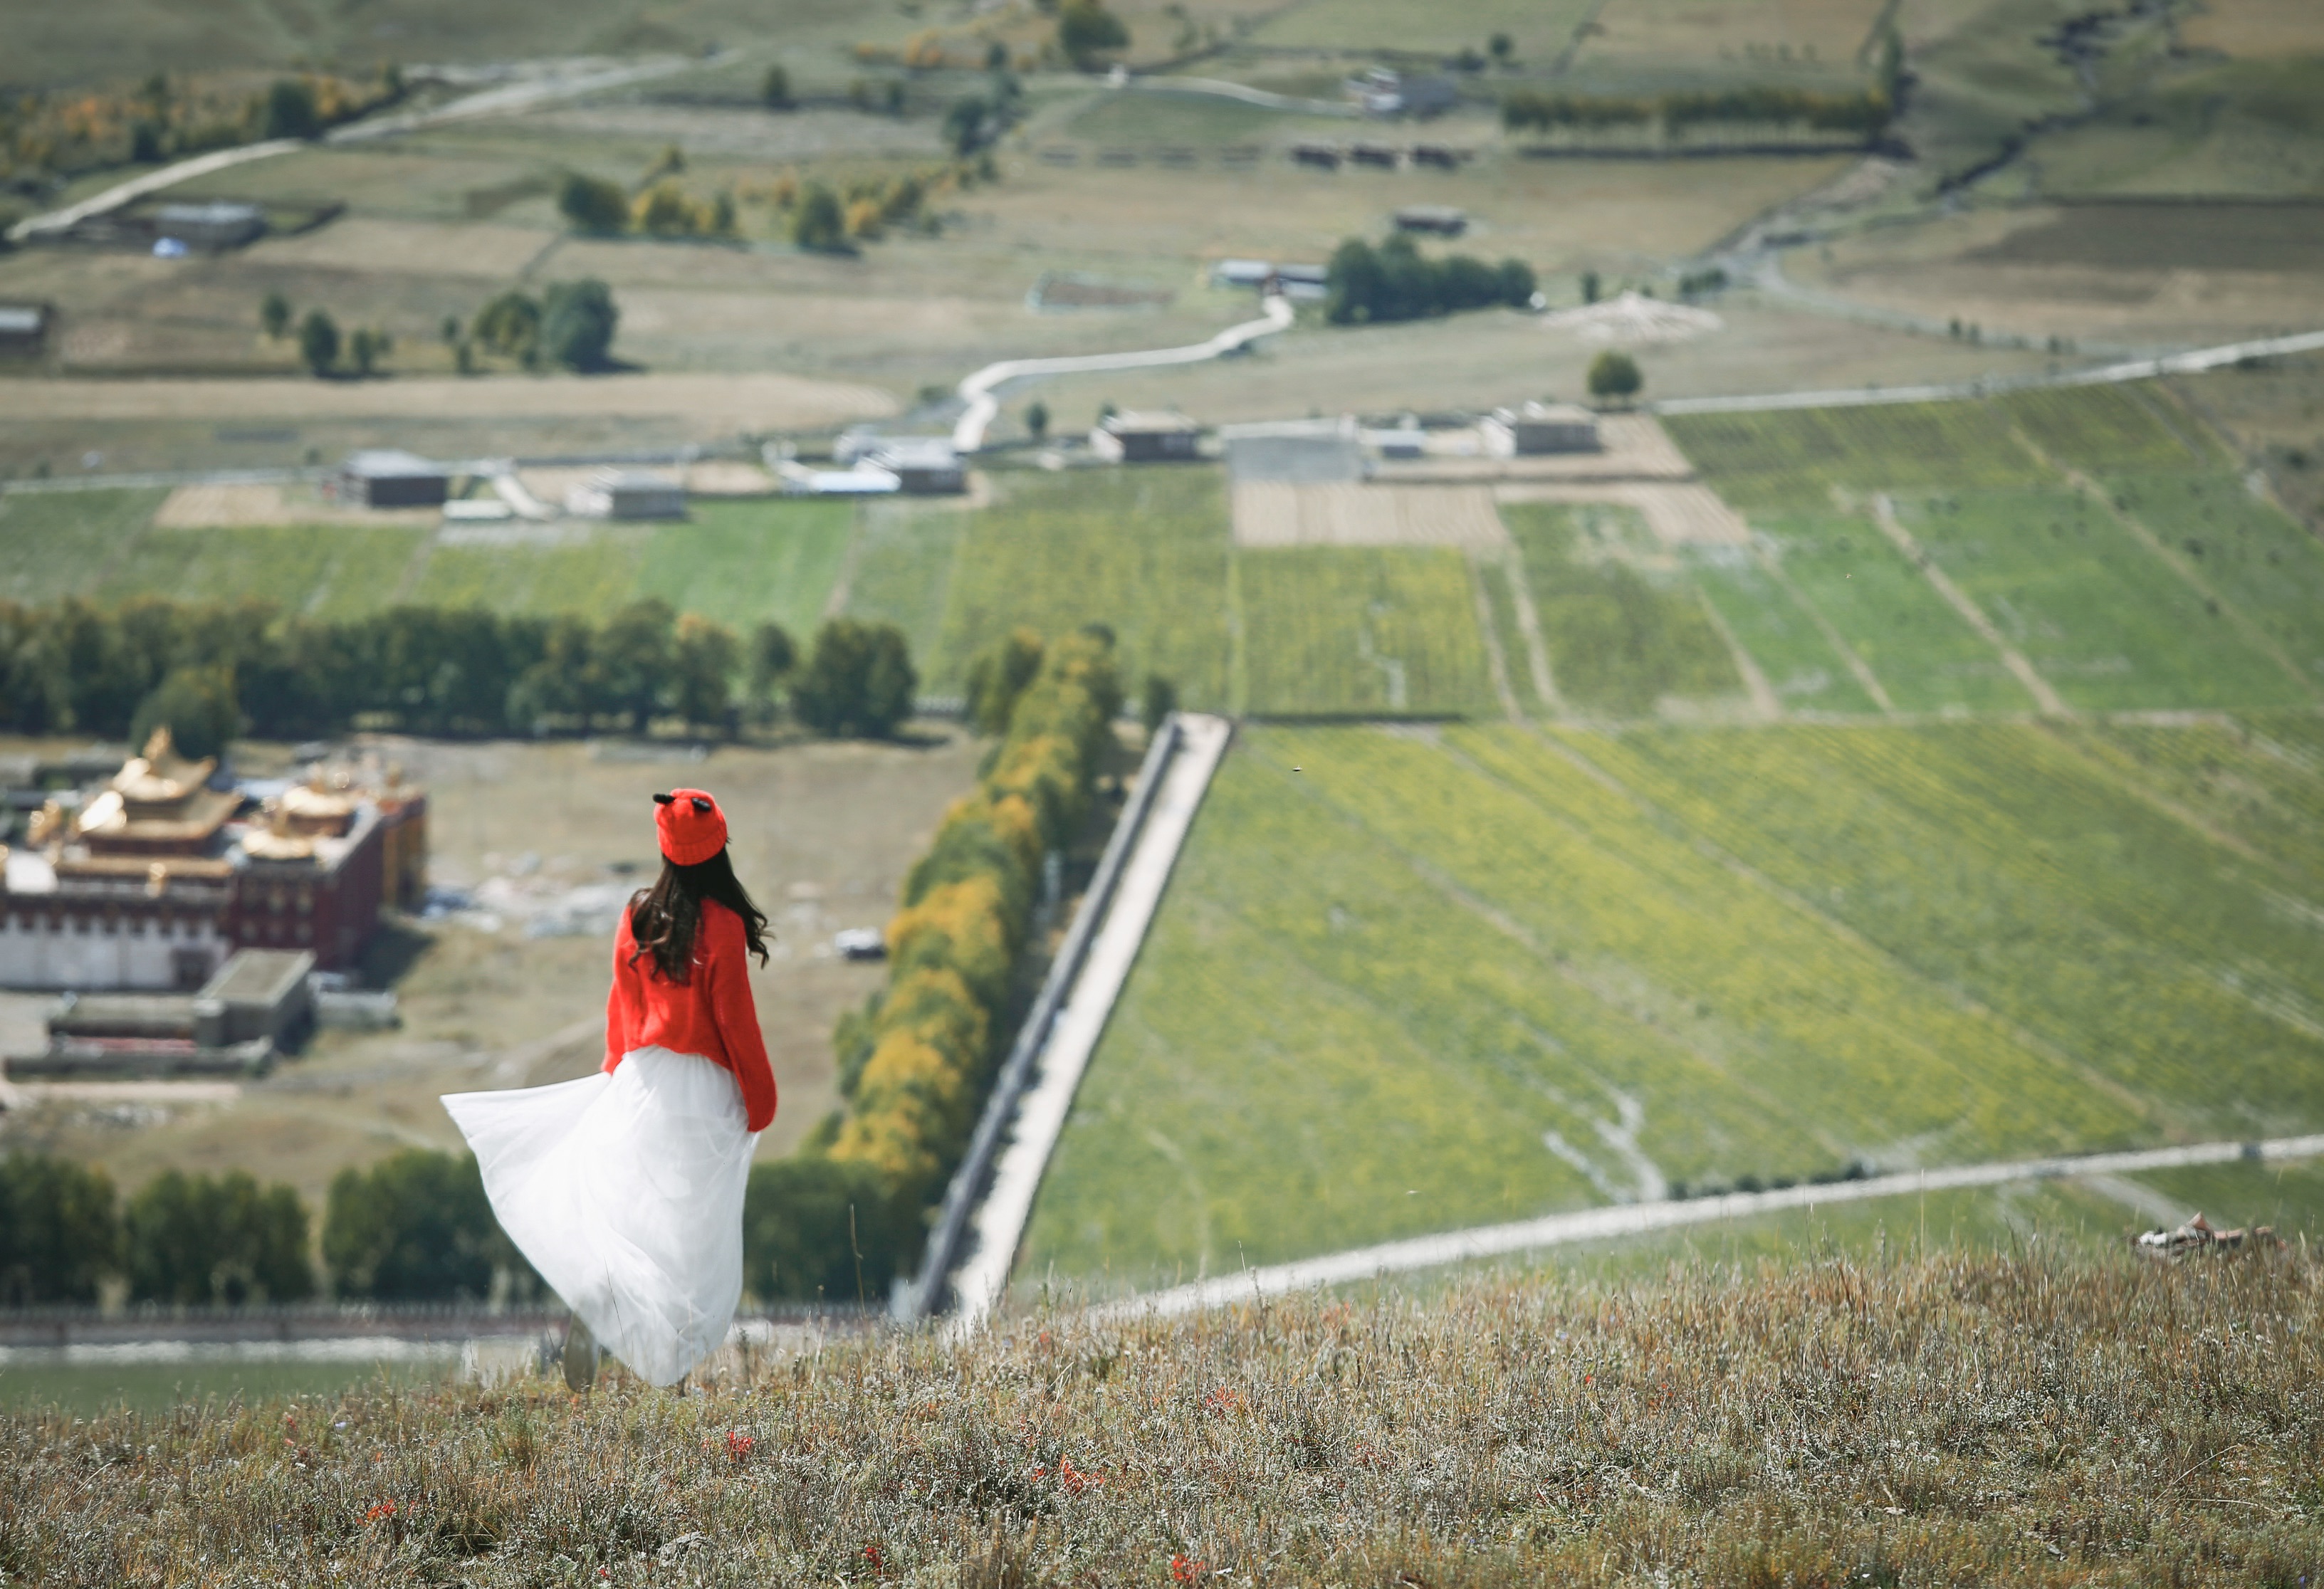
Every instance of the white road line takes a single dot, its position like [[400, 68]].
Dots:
[[978, 390], [1493, 1240], [998, 1223]]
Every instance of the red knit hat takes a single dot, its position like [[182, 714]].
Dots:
[[691, 826]]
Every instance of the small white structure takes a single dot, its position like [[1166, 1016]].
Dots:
[[389, 477], [211, 227], [1251, 273], [1537, 429], [866, 480], [923, 465], [1633, 319], [1146, 439], [627, 493]]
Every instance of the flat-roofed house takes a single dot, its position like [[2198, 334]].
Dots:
[[25, 326], [1147, 438], [627, 493], [213, 226], [1537, 429], [389, 477], [923, 465]]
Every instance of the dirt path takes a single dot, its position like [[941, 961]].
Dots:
[[1773, 566], [1885, 513], [1497, 661], [1493, 1240]]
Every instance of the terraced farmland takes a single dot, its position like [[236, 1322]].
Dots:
[[2104, 429], [1434, 978], [2245, 549], [1789, 461]]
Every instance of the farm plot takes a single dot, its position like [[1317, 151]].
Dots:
[[1144, 551], [2110, 625], [1918, 649], [1428, 980], [899, 568], [2247, 778], [741, 564], [1995, 859], [1362, 631], [1790, 460], [2243, 547], [1625, 628], [2110, 429], [66, 542], [323, 571], [1780, 635]]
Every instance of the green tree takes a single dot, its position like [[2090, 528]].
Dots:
[[775, 88], [706, 659], [1500, 47], [364, 348], [274, 316], [964, 124], [773, 655], [818, 1229], [197, 706], [194, 1241], [1614, 377], [1085, 29], [593, 205], [1159, 699], [510, 325], [414, 1228], [858, 680], [820, 224], [318, 343], [997, 676], [1589, 287], [291, 110], [577, 322], [633, 655], [60, 1234], [1036, 420]]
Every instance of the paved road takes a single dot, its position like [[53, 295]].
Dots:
[[998, 1225], [980, 389], [1217, 88], [1638, 1219], [511, 97]]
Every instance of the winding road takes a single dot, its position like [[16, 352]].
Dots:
[[980, 391], [1493, 1240]]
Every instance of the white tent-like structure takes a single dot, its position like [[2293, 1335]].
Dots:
[[1633, 319]]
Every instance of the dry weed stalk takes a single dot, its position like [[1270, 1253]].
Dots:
[[1950, 1419]]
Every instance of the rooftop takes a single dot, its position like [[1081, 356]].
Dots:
[[389, 464], [1150, 422]]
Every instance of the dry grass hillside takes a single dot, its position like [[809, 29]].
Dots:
[[1955, 1420]]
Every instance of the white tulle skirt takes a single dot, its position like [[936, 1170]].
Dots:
[[625, 1192]]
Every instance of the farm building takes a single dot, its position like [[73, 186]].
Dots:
[[25, 326], [866, 479], [1241, 272], [1539, 427], [258, 1004], [389, 477], [627, 494], [214, 227], [1300, 282], [1146, 439], [1303, 283], [1299, 452], [1384, 93], [923, 465], [1440, 220]]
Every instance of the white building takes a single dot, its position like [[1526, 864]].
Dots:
[[627, 493], [1537, 429]]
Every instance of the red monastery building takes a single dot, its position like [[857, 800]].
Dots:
[[159, 878]]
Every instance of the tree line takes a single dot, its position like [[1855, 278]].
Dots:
[[213, 671], [1396, 281], [1866, 114]]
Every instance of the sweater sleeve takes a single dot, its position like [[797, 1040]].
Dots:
[[623, 1006], [737, 1015]]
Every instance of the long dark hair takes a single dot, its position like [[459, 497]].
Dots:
[[662, 918]]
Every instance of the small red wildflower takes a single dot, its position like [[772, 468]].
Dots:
[[879, 1562], [1185, 1569], [1074, 1481], [384, 1509], [738, 1445], [1222, 1400]]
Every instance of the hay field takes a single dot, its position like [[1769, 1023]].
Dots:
[[1432, 980], [823, 834]]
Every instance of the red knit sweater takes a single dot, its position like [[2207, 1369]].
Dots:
[[710, 1014]]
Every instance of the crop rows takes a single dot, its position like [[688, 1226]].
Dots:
[[2103, 429], [1620, 636], [2109, 624], [325, 571], [1994, 859], [65, 543], [1143, 551], [1788, 461], [2246, 549], [1778, 633], [901, 565], [1368, 630], [2240, 778], [744, 562]]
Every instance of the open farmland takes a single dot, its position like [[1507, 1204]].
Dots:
[[1793, 460], [1373, 631], [1435, 979]]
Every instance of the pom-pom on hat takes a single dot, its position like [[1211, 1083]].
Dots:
[[691, 825]]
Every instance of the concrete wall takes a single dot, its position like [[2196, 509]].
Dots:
[[128, 951]]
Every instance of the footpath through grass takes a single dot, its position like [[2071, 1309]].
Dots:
[[1409, 982], [1942, 1420]]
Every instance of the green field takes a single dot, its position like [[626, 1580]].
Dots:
[[66, 542], [1381, 980], [1781, 634], [1622, 633], [1362, 631], [2110, 429], [1790, 460], [2245, 548], [2110, 625]]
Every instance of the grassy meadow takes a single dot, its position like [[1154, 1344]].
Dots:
[[1410, 980], [1991, 1418]]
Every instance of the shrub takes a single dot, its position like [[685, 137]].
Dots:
[[997, 677], [509, 324], [318, 343], [1396, 281], [577, 322], [592, 204], [820, 224], [1085, 29], [194, 1241], [291, 110], [414, 1228], [1614, 376], [60, 1234]]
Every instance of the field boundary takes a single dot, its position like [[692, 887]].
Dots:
[[1493, 1240], [1883, 513]]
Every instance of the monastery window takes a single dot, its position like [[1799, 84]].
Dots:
[[306, 901], [306, 932]]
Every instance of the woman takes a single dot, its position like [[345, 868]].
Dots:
[[624, 1189]]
